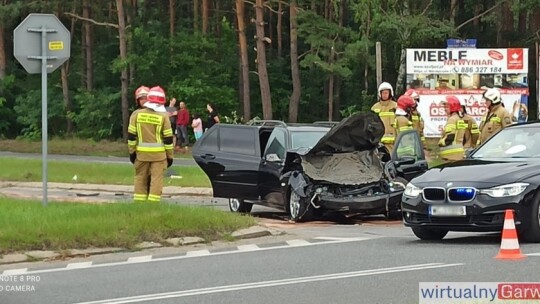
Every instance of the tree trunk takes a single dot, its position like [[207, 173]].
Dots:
[[65, 92], [195, 15], [535, 20], [244, 61], [294, 101], [205, 8], [88, 38], [124, 73], [506, 28], [264, 83], [337, 101], [2, 54], [453, 11], [401, 73], [522, 21], [331, 97], [172, 19], [476, 22], [279, 29]]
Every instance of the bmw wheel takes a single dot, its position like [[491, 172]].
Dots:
[[239, 206], [299, 208], [531, 232], [427, 234]]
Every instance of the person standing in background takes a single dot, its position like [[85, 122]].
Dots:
[[171, 110], [196, 124], [212, 118], [182, 123]]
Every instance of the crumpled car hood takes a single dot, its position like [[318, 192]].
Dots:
[[359, 132]]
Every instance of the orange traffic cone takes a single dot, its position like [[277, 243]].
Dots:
[[509, 243]]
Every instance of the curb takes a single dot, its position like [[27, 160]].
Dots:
[[50, 255]]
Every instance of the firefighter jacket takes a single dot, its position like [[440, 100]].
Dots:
[[451, 144], [471, 133], [418, 124], [386, 111], [150, 135], [401, 122], [496, 119]]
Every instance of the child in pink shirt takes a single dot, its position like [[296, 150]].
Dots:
[[197, 126]]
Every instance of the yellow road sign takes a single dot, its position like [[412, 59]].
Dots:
[[56, 45]]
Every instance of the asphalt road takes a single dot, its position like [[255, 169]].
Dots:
[[98, 159], [381, 267]]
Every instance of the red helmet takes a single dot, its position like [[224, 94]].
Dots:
[[141, 91], [406, 103], [453, 103], [413, 94], [157, 95]]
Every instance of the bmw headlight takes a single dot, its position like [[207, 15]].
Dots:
[[505, 190], [412, 191]]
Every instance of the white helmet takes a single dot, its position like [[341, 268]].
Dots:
[[493, 95], [385, 86]]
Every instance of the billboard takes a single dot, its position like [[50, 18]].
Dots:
[[467, 73]]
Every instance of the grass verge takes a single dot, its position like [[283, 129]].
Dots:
[[26, 225], [71, 146], [30, 170]]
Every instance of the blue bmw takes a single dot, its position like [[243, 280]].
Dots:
[[473, 194]]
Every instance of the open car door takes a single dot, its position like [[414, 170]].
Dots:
[[230, 156], [409, 154]]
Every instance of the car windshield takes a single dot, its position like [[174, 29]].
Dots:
[[306, 139], [512, 143]]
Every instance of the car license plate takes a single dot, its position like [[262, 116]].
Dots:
[[447, 211]]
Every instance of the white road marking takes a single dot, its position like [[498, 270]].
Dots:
[[79, 265], [298, 242], [272, 283], [533, 254], [249, 247], [181, 257], [197, 253], [139, 259], [14, 271], [330, 238]]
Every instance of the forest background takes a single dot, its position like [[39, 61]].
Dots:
[[297, 60]]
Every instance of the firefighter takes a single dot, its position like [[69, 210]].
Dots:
[[385, 108], [471, 133], [150, 144], [496, 118], [140, 96], [403, 122], [403, 118], [451, 144], [417, 121]]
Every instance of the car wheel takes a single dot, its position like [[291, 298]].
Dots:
[[532, 232], [239, 206], [299, 208], [427, 234], [394, 215]]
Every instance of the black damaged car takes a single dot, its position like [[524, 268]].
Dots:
[[309, 169], [473, 194]]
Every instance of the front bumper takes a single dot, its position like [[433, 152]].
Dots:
[[376, 204], [483, 213]]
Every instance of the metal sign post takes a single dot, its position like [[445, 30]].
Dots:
[[33, 56]]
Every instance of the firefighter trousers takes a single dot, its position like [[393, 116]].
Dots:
[[154, 171]]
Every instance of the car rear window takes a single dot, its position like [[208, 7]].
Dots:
[[238, 140], [306, 139]]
